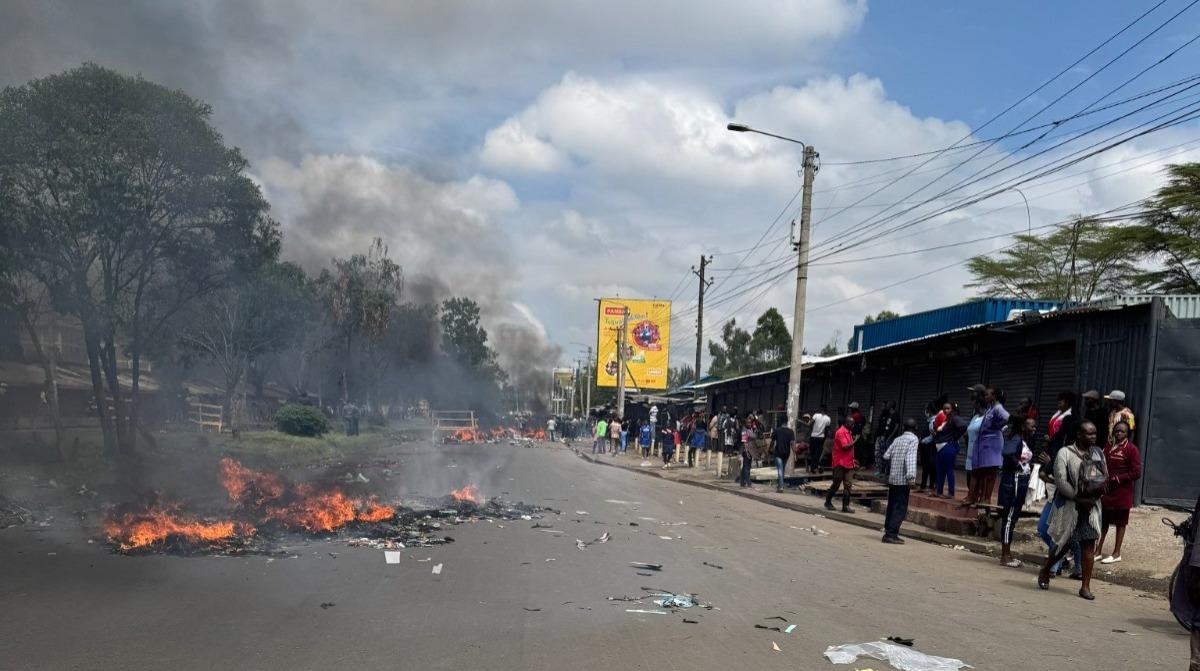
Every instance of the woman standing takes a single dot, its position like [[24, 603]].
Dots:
[[946, 435], [1124, 468], [925, 450], [987, 449], [1014, 480], [973, 438], [1079, 476]]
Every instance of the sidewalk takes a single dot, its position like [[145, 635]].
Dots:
[[1150, 551]]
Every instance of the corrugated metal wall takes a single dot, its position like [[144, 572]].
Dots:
[[941, 320]]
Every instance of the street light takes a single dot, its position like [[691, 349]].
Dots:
[[810, 169], [743, 128]]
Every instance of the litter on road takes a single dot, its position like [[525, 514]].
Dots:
[[790, 629], [437, 569], [714, 565], [391, 556], [646, 612], [646, 566], [900, 657], [775, 646]]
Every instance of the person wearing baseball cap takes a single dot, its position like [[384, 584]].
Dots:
[[1118, 411]]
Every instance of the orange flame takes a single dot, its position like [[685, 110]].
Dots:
[[249, 487], [376, 512], [157, 524], [470, 493], [464, 435]]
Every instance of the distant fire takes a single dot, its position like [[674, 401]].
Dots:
[[158, 524], [468, 494]]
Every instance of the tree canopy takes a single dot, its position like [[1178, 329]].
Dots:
[[741, 352], [1168, 235]]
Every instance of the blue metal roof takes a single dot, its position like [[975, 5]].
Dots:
[[940, 320]]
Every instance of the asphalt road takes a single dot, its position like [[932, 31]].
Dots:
[[500, 604]]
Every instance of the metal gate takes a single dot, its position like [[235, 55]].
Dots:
[[1172, 455]]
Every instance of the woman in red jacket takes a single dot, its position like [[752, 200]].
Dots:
[[1124, 468]]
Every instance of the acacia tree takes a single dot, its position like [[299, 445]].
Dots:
[[126, 204], [1169, 233], [1074, 263], [731, 356]]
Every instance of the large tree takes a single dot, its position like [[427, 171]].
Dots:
[[1169, 233], [361, 295], [465, 341], [680, 375], [1076, 262], [730, 357], [127, 205], [236, 326], [771, 344]]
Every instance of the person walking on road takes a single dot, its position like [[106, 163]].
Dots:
[[666, 443], [601, 438], [1124, 468], [1185, 597], [843, 465], [901, 456], [1079, 476], [782, 439], [816, 441]]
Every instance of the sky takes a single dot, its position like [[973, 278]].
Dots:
[[539, 155]]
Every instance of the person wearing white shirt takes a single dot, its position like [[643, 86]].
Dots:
[[816, 443]]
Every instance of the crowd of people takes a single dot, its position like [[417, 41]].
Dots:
[[1081, 468]]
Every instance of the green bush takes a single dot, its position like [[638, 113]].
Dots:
[[300, 420]]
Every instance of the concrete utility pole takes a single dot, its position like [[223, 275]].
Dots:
[[793, 397], [621, 364], [587, 407], [810, 170], [700, 311]]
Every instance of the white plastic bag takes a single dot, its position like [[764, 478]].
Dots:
[[900, 657]]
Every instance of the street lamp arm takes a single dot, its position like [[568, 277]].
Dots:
[[743, 128]]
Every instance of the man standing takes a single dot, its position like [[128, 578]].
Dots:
[[614, 435], [888, 421], [902, 455], [781, 447], [653, 425], [843, 465], [551, 425], [1118, 412], [816, 443], [601, 437]]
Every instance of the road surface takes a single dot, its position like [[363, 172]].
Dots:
[[499, 602]]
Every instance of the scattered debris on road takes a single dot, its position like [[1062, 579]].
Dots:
[[717, 566], [646, 566], [326, 605], [900, 657], [437, 569]]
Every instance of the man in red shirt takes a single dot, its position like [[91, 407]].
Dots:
[[843, 465]]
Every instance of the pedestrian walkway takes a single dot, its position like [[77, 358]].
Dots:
[[1150, 551]]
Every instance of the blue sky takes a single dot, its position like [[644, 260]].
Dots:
[[538, 155]]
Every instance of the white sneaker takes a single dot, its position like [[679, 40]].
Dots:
[[1099, 557], [1110, 560]]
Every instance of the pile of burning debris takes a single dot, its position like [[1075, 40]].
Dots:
[[265, 507], [492, 436]]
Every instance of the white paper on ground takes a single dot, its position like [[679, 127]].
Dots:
[[900, 657], [437, 569], [391, 556]]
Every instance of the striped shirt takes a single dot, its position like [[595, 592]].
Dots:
[[903, 456]]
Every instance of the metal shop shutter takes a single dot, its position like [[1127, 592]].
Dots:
[[860, 389], [958, 375], [920, 388], [1015, 373], [1058, 375], [887, 387]]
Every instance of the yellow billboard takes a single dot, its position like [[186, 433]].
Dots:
[[647, 342]]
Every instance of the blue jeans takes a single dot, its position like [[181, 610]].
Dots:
[[598, 446], [1043, 530], [624, 435], [945, 467], [779, 464]]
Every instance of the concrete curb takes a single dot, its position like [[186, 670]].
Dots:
[[990, 549]]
